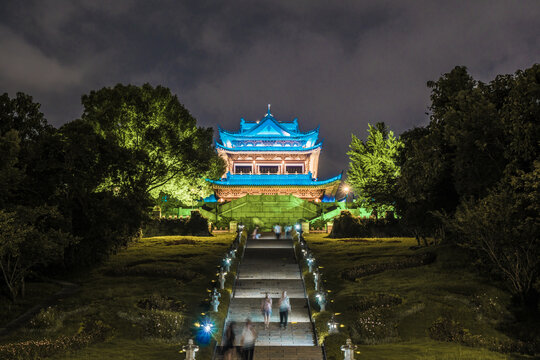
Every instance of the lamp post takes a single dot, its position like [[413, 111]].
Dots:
[[227, 263], [215, 300], [190, 349], [316, 278], [310, 260], [222, 275], [333, 326], [348, 350], [321, 299]]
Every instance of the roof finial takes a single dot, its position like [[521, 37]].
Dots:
[[269, 110]]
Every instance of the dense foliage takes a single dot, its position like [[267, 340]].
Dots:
[[72, 196], [373, 169], [472, 172]]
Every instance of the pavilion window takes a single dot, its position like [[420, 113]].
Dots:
[[243, 169], [268, 169], [294, 169]]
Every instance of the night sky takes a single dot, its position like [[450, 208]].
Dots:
[[340, 65]]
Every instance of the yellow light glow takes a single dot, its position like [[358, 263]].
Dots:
[[337, 314], [203, 313], [197, 324], [341, 325]]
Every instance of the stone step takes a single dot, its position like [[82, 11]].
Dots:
[[242, 308], [269, 271], [257, 288], [299, 334], [269, 244], [254, 254], [288, 353], [283, 352]]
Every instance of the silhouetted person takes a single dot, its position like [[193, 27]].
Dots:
[[284, 308], [277, 231], [249, 335], [229, 347]]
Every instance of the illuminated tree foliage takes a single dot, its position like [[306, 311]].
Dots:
[[167, 151], [373, 168]]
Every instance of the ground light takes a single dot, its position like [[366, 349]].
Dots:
[[205, 330]]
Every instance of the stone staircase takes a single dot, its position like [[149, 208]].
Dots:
[[269, 265]]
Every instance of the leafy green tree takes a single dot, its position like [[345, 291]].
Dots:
[[167, 151], [29, 238], [503, 229], [373, 168]]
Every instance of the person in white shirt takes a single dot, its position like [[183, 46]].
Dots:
[[249, 335], [284, 308]]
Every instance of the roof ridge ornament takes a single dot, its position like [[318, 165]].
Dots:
[[269, 113]]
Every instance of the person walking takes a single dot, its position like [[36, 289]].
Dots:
[[266, 308], [228, 348], [256, 234], [249, 335], [284, 309], [277, 231]]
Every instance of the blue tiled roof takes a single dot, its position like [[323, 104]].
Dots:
[[269, 132], [272, 179], [269, 148]]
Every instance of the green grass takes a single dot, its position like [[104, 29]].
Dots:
[[447, 288], [111, 296]]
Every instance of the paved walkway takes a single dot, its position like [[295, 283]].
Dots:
[[269, 265]]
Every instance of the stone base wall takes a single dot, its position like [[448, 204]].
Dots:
[[267, 210]]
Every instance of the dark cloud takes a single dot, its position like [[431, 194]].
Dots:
[[339, 65]]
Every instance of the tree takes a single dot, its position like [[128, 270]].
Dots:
[[503, 229], [165, 146], [29, 238], [373, 168]]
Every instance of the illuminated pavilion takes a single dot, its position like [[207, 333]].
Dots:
[[271, 157]]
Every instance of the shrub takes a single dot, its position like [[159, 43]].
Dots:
[[89, 333], [162, 324], [195, 225], [158, 302], [152, 271], [396, 264], [444, 329], [47, 319], [348, 225], [375, 326], [375, 300]]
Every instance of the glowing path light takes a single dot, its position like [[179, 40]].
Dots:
[[206, 330]]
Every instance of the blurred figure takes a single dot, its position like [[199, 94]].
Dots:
[[266, 308], [228, 348], [256, 234], [277, 231], [249, 335], [284, 309]]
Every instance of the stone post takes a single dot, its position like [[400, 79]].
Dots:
[[321, 299], [329, 226], [215, 300], [316, 278], [233, 226], [222, 275], [190, 349], [305, 227], [348, 350]]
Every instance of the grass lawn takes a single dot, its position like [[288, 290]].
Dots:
[[180, 268], [388, 314]]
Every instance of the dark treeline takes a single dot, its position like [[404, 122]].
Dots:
[[71, 196], [472, 175]]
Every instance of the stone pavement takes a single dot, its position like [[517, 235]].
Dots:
[[269, 265]]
